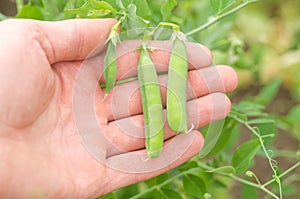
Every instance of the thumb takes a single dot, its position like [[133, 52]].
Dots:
[[72, 39]]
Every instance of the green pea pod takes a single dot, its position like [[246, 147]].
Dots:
[[176, 91], [152, 105], [110, 67]]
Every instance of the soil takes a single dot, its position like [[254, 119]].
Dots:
[[7, 7]]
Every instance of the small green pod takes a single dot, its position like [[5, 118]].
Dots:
[[176, 91], [152, 105], [110, 67]]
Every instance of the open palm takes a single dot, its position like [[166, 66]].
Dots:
[[50, 99]]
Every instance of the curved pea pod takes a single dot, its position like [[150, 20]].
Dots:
[[110, 67], [152, 105], [176, 91]]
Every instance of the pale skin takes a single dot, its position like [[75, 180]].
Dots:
[[41, 154]]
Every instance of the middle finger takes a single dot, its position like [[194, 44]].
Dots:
[[125, 100]]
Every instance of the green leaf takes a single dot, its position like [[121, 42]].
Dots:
[[120, 5], [219, 184], [197, 171], [155, 7], [143, 9], [220, 5], [294, 114], [268, 92], [37, 2], [109, 196], [30, 11], [224, 169], [52, 10], [233, 113], [246, 106], [267, 131], [169, 193], [211, 137], [134, 24], [128, 191], [193, 185], [157, 180], [161, 178], [93, 9], [151, 182], [250, 108], [70, 5], [167, 8], [188, 165], [227, 131], [266, 127], [244, 154]]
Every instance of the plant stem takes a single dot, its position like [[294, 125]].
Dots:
[[283, 174], [270, 160], [20, 4], [255, 185], [206, 167], [219, 17]]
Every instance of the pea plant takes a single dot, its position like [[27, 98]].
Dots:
[[233, 146]]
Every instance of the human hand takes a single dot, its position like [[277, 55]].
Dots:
[[48, 94]]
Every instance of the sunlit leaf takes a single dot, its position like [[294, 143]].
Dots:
[[30, 11]]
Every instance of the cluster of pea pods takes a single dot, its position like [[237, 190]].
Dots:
[[150, 91]]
